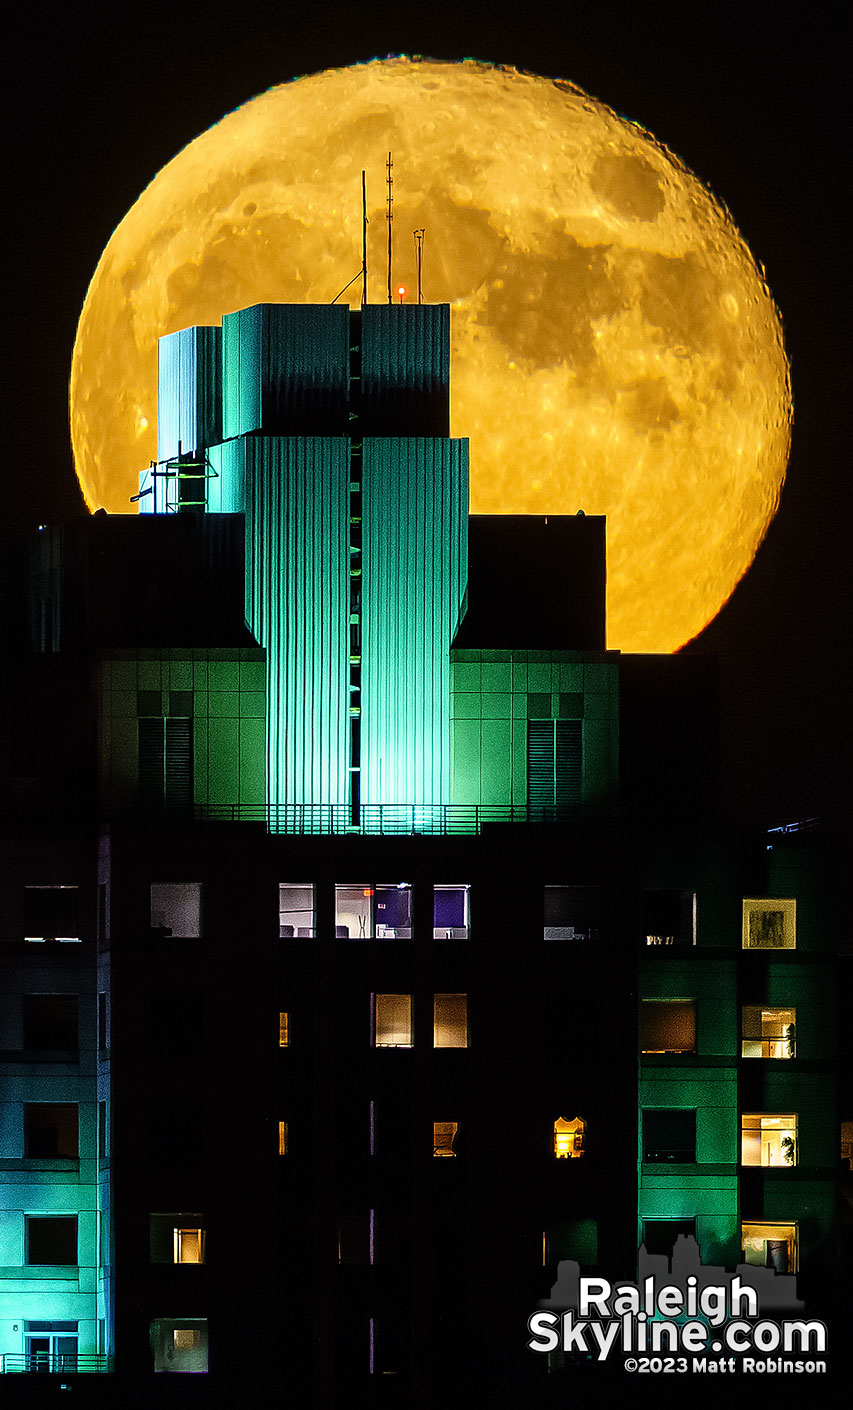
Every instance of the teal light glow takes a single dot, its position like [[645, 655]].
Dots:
[[297, 607], [415, 498]]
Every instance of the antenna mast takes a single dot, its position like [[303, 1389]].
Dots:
[[363, 238], [419, 247], [389, 165]]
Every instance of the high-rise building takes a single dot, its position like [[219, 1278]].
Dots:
[[372, 936]]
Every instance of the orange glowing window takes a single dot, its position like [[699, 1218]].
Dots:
[[568, 1138], [284, 1030]]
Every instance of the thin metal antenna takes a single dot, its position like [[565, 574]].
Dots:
[[419, 247], [364, 237], [389, 165]]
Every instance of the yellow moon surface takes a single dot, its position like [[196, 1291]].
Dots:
[[615, 347]]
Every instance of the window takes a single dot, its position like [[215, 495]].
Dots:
[[768, 1140], [367, 912], [451, 912], [669, 1136], [443, 1137], [51, 1130], [575, 1239], [669, 917], [50, 1022], [554, 766], [177, 1238], [847, 1143], [103, 1033], [52, 1240], [295, 909], [282, 1138], [179, 1346], [176, 908], [166, 764], [393, 1020], [355, 1238], [668, 1026], [768, 1033], [659, 1235], [51, 913], [572, 913], [568, 1138], [284, 1030], [769, 925], [770, 1246], [450, 1025], [188, 1245]]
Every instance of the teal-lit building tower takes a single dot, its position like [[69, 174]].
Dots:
[[329, 432]]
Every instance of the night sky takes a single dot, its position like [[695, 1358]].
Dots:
[[102, 97]]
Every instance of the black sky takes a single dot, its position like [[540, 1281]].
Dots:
[[102, 96]]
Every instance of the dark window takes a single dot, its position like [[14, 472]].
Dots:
[[572, 913], [354, 1241], [181, 703], [571, 705], [103, 1037], [166, 764], [50, 1022], [176, 1026], [669, 1136], [51, 913], [667, 1026], [103, 1134], [149, 702], [554, 763], [176, 908], [669, 917], [52, 1240], [659, 1235], [50, 1130]]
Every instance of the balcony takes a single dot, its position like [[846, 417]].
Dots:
[[57, 1363]]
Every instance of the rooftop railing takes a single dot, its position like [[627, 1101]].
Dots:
[[445, 819]]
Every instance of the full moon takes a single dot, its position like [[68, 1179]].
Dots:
[[615, 348]]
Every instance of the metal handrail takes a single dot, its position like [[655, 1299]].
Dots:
[[57, 1363]]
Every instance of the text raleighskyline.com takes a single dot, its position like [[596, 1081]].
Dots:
[[630, 1318]]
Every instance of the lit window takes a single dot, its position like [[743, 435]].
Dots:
[[51, 914], [365, 912], [393, 1020], [768, 1140], [768, 1033], [769, 925], [668, 1026], [451, 912], [847, 1143], [295, 910], [450, 1028], [179, 1346], [443, 1137], [283, 1030], [176, 908], [669, 917], [282, 1138], [177, 1238], [188, 1246], [572, 913], [568, 1138], [669, 1136], [770, 1246], [51, 1131]]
